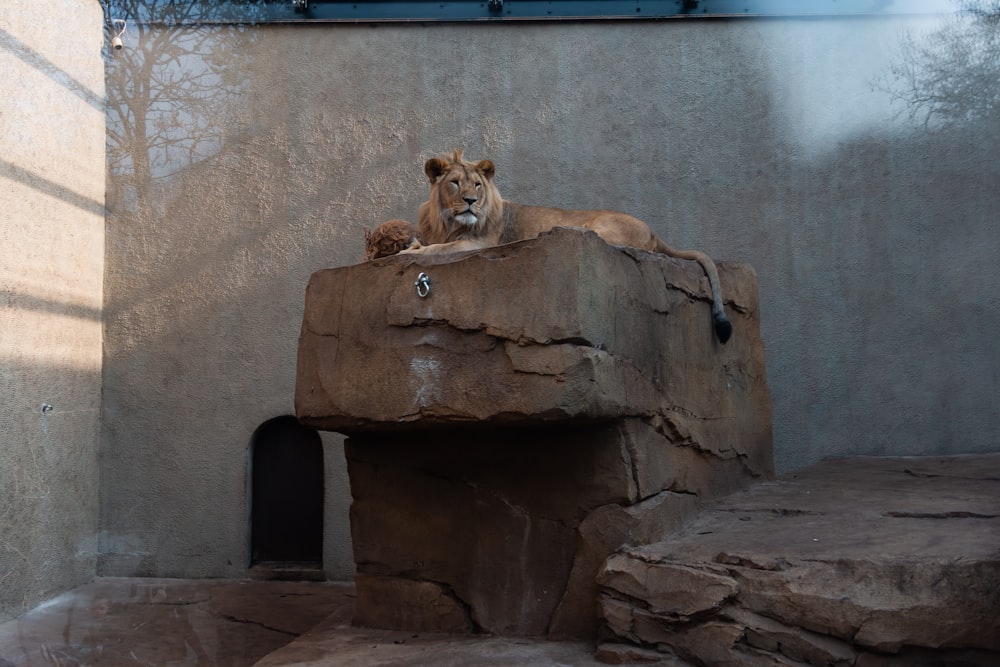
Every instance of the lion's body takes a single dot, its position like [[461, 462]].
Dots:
[[466, 212]]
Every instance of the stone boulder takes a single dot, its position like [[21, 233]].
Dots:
[[561, 327], [522, 413], [863, 561]]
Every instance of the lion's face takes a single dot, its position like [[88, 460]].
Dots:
[[463, 192]]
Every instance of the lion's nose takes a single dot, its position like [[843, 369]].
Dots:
[[470, 200]]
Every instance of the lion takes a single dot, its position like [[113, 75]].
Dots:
[[389, 238], [466, 212]]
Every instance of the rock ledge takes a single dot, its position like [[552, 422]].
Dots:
[[861, 561]]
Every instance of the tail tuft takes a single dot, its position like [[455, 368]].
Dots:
[[723, 328]]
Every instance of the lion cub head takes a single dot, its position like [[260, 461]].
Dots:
[[463, 198]]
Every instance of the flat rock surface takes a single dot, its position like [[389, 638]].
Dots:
[[336, 645], [157, 621], [145, 621], [849, 559]]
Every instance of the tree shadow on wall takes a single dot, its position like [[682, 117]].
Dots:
[[907, 261], [172, 89], [952, 76]]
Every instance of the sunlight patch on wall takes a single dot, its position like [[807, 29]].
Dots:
[[828, 84], [32, 337]]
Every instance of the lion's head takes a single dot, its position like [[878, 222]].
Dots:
[[464, 202]]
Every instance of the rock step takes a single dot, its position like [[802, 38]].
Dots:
[[857, 561]]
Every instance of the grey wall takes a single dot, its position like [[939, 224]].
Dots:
[[259, 155], [52, 168]]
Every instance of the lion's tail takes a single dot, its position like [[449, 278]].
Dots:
[[723, 327]]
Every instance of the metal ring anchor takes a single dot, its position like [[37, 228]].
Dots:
[[423, 285]]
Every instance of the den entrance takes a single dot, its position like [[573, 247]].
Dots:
[[286, 516]]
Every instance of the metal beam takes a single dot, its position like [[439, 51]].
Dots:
[[199, 12], [535, 10]]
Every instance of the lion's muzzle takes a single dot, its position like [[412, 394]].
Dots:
[[467, 217]]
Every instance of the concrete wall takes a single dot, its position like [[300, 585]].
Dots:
[[52, 170], [262, 154]]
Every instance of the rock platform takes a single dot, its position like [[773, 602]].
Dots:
[[517, 414], [859, 561]]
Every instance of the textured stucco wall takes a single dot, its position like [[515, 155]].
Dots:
[[52, 173], [763, 141]]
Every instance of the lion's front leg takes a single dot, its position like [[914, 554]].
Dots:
[[415, 246], [441, 248]]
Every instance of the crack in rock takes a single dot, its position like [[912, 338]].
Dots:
[[931, 475], [774, 511], [777, 565], [248, 621], [957, 514]]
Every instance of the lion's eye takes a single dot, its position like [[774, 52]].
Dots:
[[479, 185], [455, 184]]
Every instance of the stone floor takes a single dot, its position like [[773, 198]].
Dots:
[[876, 510], [175, 622], [118, 621]]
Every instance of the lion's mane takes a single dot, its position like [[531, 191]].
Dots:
[[436, 218]]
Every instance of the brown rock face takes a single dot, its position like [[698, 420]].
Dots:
[[534, 408], [851, 562], [561, 327]]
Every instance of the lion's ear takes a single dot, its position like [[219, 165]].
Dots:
[[434, 168], [486, 168]]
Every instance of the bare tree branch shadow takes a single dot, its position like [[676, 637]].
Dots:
[[952, 75]]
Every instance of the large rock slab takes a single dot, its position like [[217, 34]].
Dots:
[[559, 327], [862, 561], [544, 404], [504, 531]]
